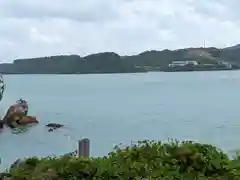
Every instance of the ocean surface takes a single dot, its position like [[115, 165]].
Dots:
[[117, 108]]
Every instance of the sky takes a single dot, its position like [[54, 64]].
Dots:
[[35, 28]]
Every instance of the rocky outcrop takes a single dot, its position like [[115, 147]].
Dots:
[[53, 126], [19, 119]]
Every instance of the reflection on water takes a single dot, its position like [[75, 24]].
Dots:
[[19, 130]]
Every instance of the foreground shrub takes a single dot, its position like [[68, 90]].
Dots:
[[144, 160]]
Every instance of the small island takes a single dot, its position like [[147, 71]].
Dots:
[[188, 59]]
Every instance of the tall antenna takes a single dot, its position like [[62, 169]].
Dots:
[[204, 44]]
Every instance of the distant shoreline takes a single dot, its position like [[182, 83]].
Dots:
[[118, 73], [70, 73], [207, 59]]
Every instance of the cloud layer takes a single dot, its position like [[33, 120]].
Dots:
[[42, 28]]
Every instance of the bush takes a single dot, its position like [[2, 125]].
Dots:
[[145, 160]]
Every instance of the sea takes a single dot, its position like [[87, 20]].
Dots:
[[119, 109]]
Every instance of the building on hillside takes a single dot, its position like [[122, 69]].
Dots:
[[182, 63], [224, 63]]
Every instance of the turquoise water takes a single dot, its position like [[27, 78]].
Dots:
[[117, 108]]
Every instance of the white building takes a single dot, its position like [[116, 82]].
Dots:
[[182, 63], [227, 64]]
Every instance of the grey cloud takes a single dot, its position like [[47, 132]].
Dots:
[[220, 9], [13, 29], [79, 10], [42, 28]]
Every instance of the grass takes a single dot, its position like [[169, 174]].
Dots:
[[145, 160]]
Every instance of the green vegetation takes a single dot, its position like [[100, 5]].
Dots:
[[110, 62], [145, 160]]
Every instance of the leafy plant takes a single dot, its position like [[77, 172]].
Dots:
[[144, 160]]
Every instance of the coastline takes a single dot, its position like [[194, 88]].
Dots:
[[163, 70]]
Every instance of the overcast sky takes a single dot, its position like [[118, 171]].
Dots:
[[32, 28]]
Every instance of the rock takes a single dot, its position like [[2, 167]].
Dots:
[[25, 120], [9, 119], [17, 119], [50, 130], [54, 125]]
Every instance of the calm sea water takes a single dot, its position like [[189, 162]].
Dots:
[[117, 108]]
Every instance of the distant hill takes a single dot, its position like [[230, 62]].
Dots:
[[110, 62], [233, 47]]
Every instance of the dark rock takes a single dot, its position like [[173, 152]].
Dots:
[[50, 130], [54, 125]]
